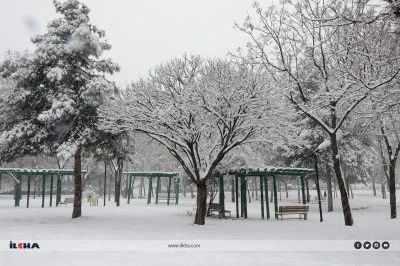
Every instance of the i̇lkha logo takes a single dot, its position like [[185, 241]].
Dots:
[[22, 245]]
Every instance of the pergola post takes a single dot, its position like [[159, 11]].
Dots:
[[169, 190], [242, 196], [303, 192], [308, 191], [129, 188], [275, 196], [150, 189], [237, 195], [266, 195], [178, 181], [43, 189], [245, 197], [51, 190], [221, 195], [158, 188], [58, 190], [262, 196], [29, 191]]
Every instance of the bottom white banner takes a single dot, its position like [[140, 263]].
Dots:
[[30, 245]]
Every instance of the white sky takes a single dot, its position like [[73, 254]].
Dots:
[[143, 33]]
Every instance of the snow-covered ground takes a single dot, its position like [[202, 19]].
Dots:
[[139, 224]]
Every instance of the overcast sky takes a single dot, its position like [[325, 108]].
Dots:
[[143, 33]]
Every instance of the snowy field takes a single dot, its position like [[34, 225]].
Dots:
[[136, 228]]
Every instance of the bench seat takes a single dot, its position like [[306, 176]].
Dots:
[[296, 210]]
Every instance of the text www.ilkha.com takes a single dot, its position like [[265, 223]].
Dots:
[[184, 245]]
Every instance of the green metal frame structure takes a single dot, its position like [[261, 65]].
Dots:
[[158, 176], [28, 173], [264, 174]]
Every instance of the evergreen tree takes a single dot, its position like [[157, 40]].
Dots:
[[58, 89]]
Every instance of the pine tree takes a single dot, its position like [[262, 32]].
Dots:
[[58, 89]]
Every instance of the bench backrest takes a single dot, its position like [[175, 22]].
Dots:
[[165, 195], [215, 206], [293, 208], [71, 200]]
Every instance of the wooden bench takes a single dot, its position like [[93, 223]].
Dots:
[[67, 200], [286, 210], [216, 208], [164, 196]]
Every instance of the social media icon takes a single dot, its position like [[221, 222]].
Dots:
[[376, 245], [367, 245], [385, 245], [357, 245]]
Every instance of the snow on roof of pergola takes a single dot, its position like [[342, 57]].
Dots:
[[153, 174], [270, 170], [38, 171]]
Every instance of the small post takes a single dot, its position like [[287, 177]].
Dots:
[[221, 195], [303, 192], [150, 189], [178, 181], [237, 195], [158, 188], [275, 196], [51, 190], [169, 190], [262, 196], [29, 191], [129, 188], [266, 195], [43, 189]]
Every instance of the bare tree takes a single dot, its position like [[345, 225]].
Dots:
[[198, 109]]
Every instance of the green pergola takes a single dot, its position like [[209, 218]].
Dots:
[[20, 173], [158, 176], [264, 174]]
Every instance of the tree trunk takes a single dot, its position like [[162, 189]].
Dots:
[[144, 188], [77, 212], [109, 187], [34, 187], [392, 188], [100, 186], [184, 187], [280, 190], [272, 194], [329, 187], [191, 192], [347, 186], [298, 190], [351, 192], [348, 218], [287, 193], [248, 193], [374, 186], [118, 177], [383, 190], [140, 188], [233, 189], [201, 204]]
